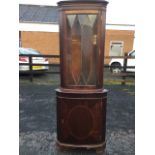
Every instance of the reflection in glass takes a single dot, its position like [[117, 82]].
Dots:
[[82, 49]]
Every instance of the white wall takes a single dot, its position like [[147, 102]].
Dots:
[[55, 27], [120, 27], [38, 27]]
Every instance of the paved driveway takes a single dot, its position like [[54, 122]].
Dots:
[[38, 120]]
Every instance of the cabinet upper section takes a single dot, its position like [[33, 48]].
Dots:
[[82, 33]]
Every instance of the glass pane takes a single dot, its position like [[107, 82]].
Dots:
[[116, 49], [82, 50], [132, 54]]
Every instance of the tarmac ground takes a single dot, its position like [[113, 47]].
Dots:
[[37, 107]]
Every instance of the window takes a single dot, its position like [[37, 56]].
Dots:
[[116, 48], [132, 54]]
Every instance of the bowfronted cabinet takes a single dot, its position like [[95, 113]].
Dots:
[[81, 95]]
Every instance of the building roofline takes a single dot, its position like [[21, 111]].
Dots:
[[107, 24], [45, 5], [120, 24], [54, 19], [37, 22]]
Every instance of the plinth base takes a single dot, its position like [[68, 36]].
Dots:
[[97, 147], [81, 119]]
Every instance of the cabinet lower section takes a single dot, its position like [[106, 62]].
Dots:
[[81, 119]]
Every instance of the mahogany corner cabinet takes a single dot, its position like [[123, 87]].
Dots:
[[81, 98]]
